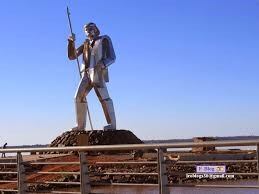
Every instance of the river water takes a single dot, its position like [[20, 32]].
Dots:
[[179, 190]]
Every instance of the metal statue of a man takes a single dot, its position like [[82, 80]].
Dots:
[[97, 54]]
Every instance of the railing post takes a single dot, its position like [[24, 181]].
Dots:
[[257, 157], [84, 175], [162, 177], [22, 187]]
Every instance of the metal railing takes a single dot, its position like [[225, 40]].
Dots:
[[85, 185]]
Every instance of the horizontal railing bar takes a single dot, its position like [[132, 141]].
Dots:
[[125, 173], [9, 190], [211, 185], [210, 161], [122, 184], [136, 146], [10, 163], [66, 173], [7, 181], [107, 163], [8, 172], [53, 182], [65, 192], [234, 173], [178, 162], [54, 163]]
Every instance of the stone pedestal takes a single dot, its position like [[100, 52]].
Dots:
[[95, 137]]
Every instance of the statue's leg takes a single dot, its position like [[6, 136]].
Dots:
[[107, 106], [80, 102]]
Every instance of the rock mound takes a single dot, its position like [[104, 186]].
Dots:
[[95, 137]]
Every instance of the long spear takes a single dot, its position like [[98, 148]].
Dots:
[[78, 66]]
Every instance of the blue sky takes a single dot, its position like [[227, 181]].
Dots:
[[183, 68]]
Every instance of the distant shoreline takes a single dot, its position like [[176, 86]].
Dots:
[[251, 137]]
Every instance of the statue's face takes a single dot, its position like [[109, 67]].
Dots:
[[91, 32]]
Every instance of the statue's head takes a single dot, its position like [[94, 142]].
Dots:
[[91, 30]]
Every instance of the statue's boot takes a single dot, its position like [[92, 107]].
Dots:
[[80, 116], [108, 109]]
